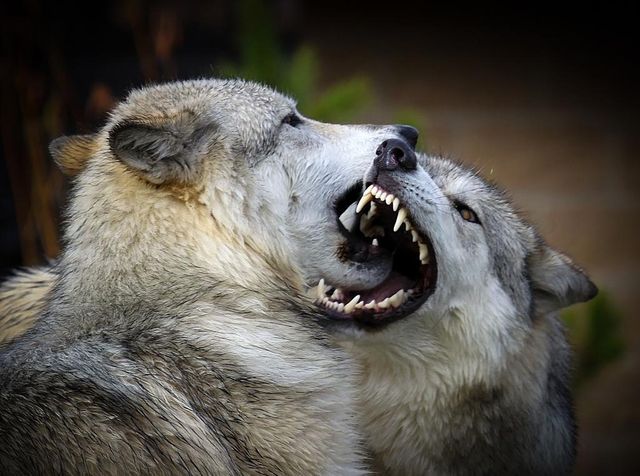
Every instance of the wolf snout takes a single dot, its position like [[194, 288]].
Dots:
[[395, 153]]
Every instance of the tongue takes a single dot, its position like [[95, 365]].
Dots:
[[394, 283]]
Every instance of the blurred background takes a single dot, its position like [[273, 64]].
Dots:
[[542, 98]]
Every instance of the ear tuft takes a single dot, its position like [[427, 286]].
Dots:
[[71, 153], [169, 153], [557, 281]]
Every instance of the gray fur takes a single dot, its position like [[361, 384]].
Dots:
[[174, 337], [477, 381]]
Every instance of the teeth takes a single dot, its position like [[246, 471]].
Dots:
[[414, 236], [424, 252], [384, 304], [402, 214], [389, 199], [340, 307], [371, 305], [407, 224], [396, 204], [321, 289], [383, 196], [378, 193], [374, 242], [337, 295], [374, 190], [372, 211], [360, 305], [397, 299], [368, 190], [350, 306], [366, 198]]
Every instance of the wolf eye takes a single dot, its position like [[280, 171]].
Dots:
[[466, 213], [292, 119]]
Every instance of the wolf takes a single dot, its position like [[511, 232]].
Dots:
[[466, 365], [174, 335], [467, 370]]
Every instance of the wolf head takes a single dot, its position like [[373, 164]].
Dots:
[[243, 167], [461, 252]]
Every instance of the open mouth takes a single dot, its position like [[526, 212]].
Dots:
[[377, 225]]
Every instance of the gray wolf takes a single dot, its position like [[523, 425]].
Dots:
[[467, 370], [175, 336], [466, 364]]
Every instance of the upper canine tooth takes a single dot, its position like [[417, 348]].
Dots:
[[397, 299], [424, 251], [402, 214], [366, 198], [350, 306], [396, 204], [389, 199], [320, 291]]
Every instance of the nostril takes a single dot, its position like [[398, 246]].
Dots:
[[397, 154], [379, 151]]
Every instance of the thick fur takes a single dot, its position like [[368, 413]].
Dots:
[[22, 299], [477, 381], [174, 337]]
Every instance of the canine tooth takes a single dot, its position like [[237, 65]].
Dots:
[[389, 199], [384, 304], [402, 214], [366, 198], [350, 306], [374, 242], [320, 290], [424, 251], [397, 299], [396, 204], [414, 236], [371, 305]]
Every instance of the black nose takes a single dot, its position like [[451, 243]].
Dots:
[[409, 133], [394, 153]]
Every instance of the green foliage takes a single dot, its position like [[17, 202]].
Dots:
[[262, 59], [595, 331]]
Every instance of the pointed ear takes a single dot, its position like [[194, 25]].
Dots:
[[557, 281], [71, 153], [172, 151]]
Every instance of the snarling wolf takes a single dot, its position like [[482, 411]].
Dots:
[[467, 369], [175, 336], [466, 364]]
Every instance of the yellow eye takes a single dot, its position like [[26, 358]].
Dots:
[[466, 213]]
